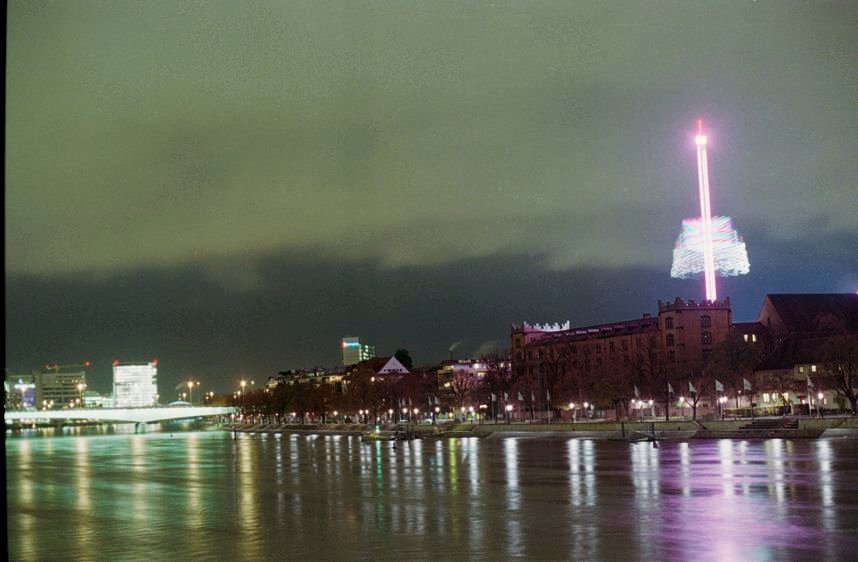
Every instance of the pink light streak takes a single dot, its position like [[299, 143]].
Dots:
[[705, 213]]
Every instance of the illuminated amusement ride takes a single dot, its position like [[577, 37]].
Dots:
[[708, 244]]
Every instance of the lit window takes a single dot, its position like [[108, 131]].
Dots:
[[746, 337], [765, 397], [753, 337], [801, 369], [813, 368]]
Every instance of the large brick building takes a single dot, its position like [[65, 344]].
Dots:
[[681, 336]]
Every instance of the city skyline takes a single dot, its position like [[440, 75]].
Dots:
[[234, 191]]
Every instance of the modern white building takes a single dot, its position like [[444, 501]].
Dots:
[[135, 384]]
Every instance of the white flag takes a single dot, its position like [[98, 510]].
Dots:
[[532, 397], [548, 396], [809, 382], [718, 386], [746, 383], [637, 392], [494, 398], [520, 397], [669, 388], [691, 388], [505, 396]]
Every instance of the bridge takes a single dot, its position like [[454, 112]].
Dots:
[[130, 415]]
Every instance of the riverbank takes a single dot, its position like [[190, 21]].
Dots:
[[760, 428]]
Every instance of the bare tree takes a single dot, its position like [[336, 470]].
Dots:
[[463, 384], [841, 367]]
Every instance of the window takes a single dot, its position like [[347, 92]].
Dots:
[[668, 323], [671, 355], [766, 397], [668, 340], [611, 346], [801, 369], [706, 354], [705, 321], [746, 337], [706, 338], [753, 337], [813, 368]]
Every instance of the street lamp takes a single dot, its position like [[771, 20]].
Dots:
[[243, 384], [682, 405], [508, 409], [819, 403], [721, 401]]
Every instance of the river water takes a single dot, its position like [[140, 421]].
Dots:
[[206, 496]]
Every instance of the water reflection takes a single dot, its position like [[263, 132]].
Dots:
[[204, 496]]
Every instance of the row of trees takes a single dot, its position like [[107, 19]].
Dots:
[[561, 379]]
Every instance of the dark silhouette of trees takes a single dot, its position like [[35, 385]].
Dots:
[[841, 367]]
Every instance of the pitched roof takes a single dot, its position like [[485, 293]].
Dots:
[[803, 312]]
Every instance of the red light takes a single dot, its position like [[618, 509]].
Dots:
[[344, 345], [155, 361], [115, 362], [87, 363]]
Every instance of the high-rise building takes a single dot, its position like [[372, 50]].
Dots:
[[135, 384], [58, 389], [354, 352]]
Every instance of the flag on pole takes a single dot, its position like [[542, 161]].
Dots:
[[691, 388], [718, 386], [494, 398], [669, 388], [505, 397], [746, 383], [532, 397], [548, 396], [520, 397], [809, 382], [637, 392]]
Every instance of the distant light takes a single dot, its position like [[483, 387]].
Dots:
[[155, 361], [87, 363], [115, 362], [700, 140]]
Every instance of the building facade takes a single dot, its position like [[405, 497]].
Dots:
[[135, 384], [354, 352]]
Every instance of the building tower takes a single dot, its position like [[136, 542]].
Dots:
[[354, 352]]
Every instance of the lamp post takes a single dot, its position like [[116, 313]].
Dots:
[[682, 405], [819, 397], [191, 392], [721, 402], [243, 384], [508, 408]]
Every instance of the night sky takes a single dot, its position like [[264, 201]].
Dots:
[[233, 187]]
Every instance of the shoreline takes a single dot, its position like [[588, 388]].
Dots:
[[811, 428]]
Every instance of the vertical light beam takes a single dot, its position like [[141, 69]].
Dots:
[[705, 213]]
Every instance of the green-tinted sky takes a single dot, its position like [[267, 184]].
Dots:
[[217, 136]]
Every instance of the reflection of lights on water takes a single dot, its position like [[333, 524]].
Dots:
[[685, 468], [513, 497], [582, 460], [725, 453]]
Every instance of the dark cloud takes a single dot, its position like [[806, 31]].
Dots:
[[299, 306]]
